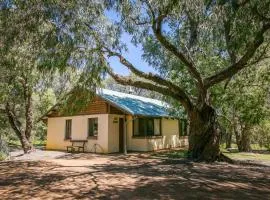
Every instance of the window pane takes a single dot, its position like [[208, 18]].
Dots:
[[184, 124], [146, 127], [180, 127], [183, 127], [95, 131], [142, 128], [157, 126], [92, 126], [150, 126], [136, 126], [68, 129]]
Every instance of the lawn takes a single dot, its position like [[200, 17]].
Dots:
[[249, 156], [36, 143], [257, 156], [179, 153]]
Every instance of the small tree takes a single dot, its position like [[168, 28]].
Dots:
[[27, 41], [245, 104]]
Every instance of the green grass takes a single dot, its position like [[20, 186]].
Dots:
[[37, 143], [3, 156], [249, 156], [260, 155], [182, 153], [253, 147], [40, 143]]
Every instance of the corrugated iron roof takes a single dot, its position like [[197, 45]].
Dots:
[[135, 105]]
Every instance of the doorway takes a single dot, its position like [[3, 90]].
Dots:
[[121, 135]]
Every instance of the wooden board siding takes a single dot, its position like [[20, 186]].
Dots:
[[114, 110], [98, 106]]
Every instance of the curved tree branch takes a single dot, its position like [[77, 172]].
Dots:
[[14, 122], [157, 29], [149, 76], [242, 63], [150, 86]]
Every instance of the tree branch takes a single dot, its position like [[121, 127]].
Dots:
[[227, 33], [139, 23], [14, 122], [150, 86], [157, 29], [149, 76], [231, 52], [242, 63]]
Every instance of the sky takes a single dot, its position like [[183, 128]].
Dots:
[[133, 55]]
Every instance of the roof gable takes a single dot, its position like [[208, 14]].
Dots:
[[126, 103]]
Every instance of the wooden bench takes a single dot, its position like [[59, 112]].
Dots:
[[76, 144]]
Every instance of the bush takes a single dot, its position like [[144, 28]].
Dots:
[[4, 150], [261, 135]]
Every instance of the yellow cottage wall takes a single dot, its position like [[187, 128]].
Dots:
[[108, 134], [56, 133], [169, 139]]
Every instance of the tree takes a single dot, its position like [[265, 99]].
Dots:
[[194, 45], [245, 106], [24, 47], [207, 41]]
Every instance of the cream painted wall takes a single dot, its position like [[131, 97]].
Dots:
[[108, 134], [169, 139], [56, 133], [134, 144]]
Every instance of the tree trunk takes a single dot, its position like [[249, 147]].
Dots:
[[204, 136], [27, 146], [244, 143], [16, 126], [28, 115], [229, 139]]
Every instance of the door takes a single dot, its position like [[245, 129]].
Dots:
[[121, 135]]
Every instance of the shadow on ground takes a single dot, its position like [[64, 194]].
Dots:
[[88, 176]]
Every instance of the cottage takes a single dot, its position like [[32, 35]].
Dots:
[[117, 122]]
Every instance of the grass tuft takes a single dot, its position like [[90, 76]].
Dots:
[[181, 153]]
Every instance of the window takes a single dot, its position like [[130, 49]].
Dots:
[[157, 126], [183, 127], [92, 127], [68, 129], [147, 127]]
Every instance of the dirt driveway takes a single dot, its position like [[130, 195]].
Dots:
[[57, 175]]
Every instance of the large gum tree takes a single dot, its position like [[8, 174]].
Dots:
[[194, 45]]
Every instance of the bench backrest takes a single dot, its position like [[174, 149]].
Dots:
[[82, 142]]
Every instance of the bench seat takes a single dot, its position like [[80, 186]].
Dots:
[[73, 147]]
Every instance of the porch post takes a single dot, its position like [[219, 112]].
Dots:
[[125, 135]]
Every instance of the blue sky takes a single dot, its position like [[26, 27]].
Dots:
[[133, 55]]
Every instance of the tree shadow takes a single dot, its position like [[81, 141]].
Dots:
[[131, 177]]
